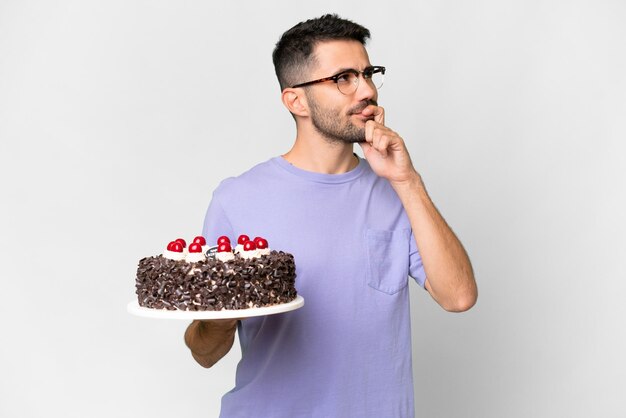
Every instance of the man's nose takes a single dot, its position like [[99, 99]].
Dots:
[[366, 90]]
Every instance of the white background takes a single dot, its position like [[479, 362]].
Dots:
[[118, 119]]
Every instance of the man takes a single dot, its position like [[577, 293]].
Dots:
[[357, 228]]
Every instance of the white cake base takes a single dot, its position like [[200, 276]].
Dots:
[[134, 308]]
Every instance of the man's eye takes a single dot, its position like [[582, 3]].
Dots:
[[345, 78]]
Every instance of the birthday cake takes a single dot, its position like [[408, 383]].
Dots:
[[203, 278]]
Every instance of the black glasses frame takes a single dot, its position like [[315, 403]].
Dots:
[[367, 74]]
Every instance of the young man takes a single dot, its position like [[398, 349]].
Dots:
[[357, 228]]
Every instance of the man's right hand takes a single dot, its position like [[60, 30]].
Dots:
[[210, 340]]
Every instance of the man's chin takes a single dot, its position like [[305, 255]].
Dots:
[[353, 139], [347, 134], [348, 140]]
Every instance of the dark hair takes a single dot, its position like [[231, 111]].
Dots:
[[293, 52]]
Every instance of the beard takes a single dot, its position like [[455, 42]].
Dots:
[[328, 122]]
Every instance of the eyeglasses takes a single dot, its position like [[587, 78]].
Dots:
[[348, 81]]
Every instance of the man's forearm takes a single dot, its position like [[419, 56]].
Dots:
[[450, 279], [209, 341]]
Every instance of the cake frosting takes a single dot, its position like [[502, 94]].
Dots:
[[216, 278], [195, 253]]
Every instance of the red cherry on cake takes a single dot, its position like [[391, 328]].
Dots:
[[181, 241], [195, 248], [223, 248], [249, 246], [261, 243], [175, 246], [243, 239], [198, 240], [223, 240]]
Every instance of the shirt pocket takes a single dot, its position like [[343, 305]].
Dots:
[[388, 259]]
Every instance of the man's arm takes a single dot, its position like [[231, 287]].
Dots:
[[209, 341], [449, 276]]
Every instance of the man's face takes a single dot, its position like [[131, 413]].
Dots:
[[333, 114]]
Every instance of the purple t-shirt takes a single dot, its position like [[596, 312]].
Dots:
[[347, 352]]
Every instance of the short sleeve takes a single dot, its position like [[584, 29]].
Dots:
[[216, 223], [416, 267]]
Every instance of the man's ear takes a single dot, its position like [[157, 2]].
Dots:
[[295, 101]]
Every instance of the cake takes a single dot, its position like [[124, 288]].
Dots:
[[203, 278]]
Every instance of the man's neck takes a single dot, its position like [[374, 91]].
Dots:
[[316, 154]]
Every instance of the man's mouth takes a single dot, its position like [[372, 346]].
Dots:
[[363, 117], [358, 109]]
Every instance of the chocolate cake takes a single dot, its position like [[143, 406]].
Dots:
[[249, 278]]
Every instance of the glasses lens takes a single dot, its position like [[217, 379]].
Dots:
[[378, 78], [347, 82]]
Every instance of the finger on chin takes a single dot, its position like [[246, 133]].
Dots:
[[379, 116], [369, 130]]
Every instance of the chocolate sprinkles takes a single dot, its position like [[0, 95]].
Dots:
[[213, 285]]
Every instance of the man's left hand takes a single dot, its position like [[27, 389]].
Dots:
[[384, 149]]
